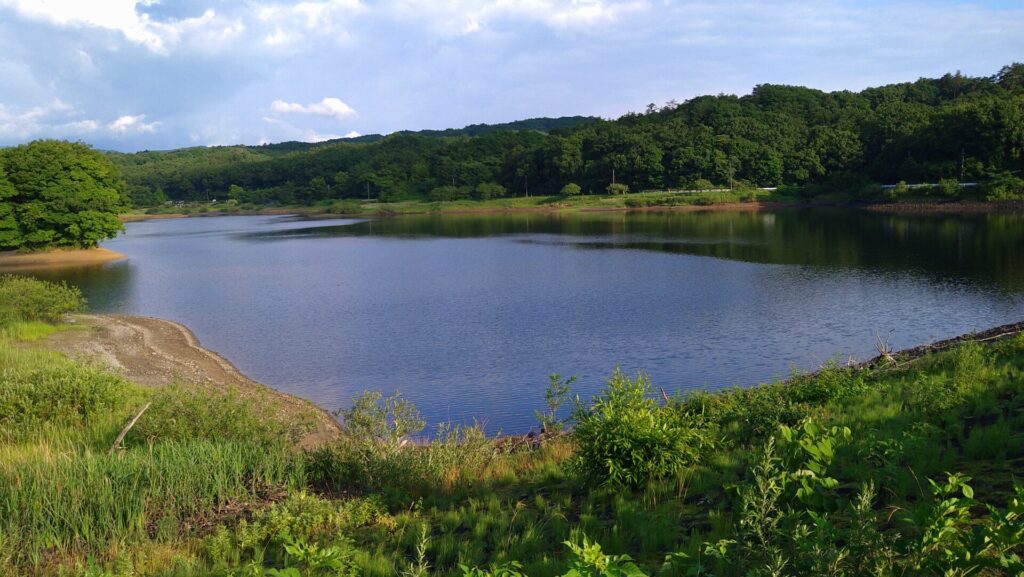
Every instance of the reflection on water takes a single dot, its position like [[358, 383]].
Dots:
[[986, 246], [468, 314], [108, 287]]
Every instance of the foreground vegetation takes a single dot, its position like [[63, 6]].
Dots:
[[902, 468]]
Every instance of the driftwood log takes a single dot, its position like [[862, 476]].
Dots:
[[128, 427]]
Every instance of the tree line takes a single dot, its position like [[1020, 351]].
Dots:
[[954, 127]]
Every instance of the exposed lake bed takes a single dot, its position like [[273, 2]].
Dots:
[[468, 314]]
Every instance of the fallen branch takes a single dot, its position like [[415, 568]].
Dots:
[[128, 427]]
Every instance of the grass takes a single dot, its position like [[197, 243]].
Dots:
[[824, 474]]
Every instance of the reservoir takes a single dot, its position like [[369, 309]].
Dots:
[[467, 315]]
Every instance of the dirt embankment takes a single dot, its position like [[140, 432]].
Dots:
[[155, 352], [16, 261]]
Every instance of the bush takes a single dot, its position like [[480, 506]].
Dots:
[[488, 190], [1003, 186], [571, 189], [625, 438], [39, 388], [617, 188], [949, 187], [28, 299], [702, 184], [179, 413]]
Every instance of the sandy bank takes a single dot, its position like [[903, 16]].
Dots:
[[155, 352], [14, 261]]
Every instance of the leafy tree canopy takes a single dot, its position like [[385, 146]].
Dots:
[[58, 194]]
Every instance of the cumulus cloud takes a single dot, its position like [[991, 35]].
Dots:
[[121, 16], [283, 131], [79, 127], [58, 119], [328, 107], [26, 123], [290, 23], [132, 125]]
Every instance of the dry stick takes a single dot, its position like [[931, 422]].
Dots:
[[124, 431]]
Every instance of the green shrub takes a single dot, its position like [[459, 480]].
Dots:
[[949, 187], [617, 188], [27, 299], [489, 190], [625, 438], [702, 184], [571, 189], [1003, 186], [178, 413], [41, 388]]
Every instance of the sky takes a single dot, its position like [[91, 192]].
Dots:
[[158, 74]]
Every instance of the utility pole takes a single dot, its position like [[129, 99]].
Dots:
[[526, 177], [613, 176]]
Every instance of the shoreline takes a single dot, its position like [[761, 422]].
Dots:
[[155, 352], [57, 258], [383, 211]]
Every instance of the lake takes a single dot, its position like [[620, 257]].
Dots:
[[467, 315]]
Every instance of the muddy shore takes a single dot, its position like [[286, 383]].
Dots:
[[155, 352]]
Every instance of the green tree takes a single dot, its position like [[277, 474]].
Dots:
[[237, 193], [10, 235], [571, 189], [65, 194]]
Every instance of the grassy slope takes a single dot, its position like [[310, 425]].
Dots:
[[212, 495]]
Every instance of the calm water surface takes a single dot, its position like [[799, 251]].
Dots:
[[467, 315]]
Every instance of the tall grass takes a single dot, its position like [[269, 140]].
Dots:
[[61, 502]]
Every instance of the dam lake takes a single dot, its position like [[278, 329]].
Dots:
[[467, 315]]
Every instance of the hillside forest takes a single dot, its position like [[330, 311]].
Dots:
[[953, 129]]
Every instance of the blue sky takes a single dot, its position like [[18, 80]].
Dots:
[[156, 74]]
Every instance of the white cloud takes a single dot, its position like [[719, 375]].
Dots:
[[132, 125], [460, 17], [289, 25], [283, 131], [352, 134], [328, 107], [121, 16], [79, 127], [25, 123]]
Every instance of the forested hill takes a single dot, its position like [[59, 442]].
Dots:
[[953, 127]]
